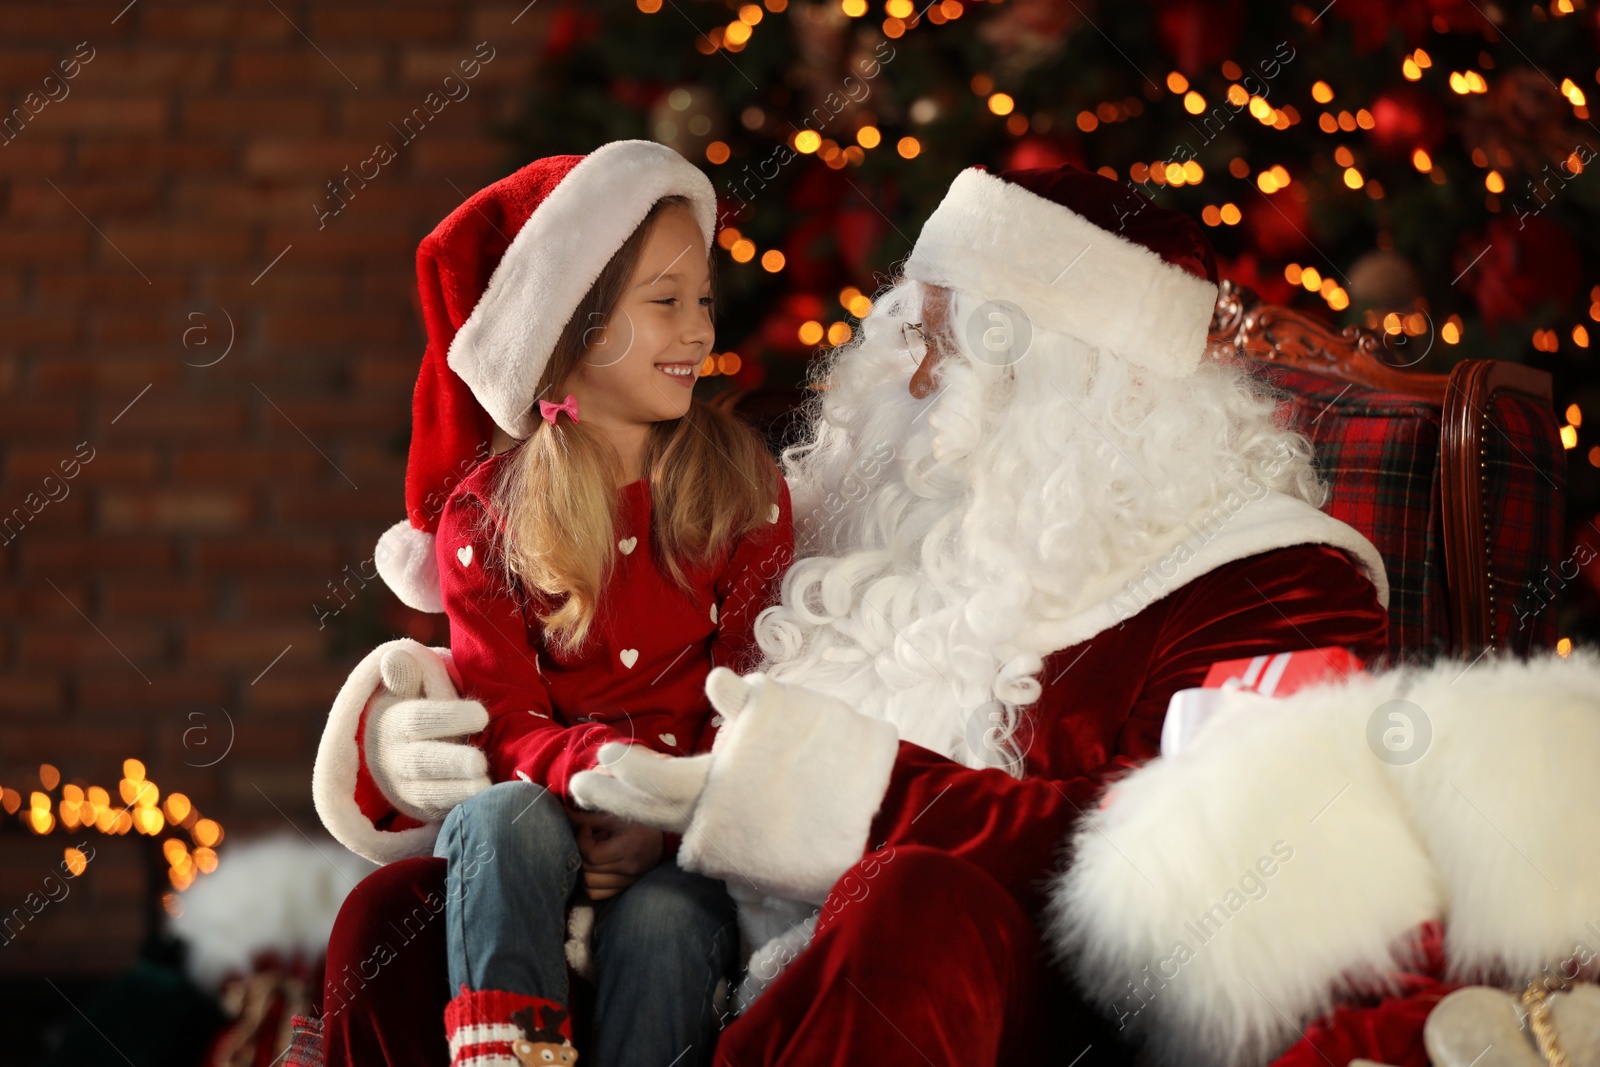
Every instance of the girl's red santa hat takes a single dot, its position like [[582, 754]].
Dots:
[[1082, 255], [499, 278]]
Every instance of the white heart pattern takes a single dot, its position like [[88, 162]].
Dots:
[[630, 656], [464, 554], [668, 739], [524, 776], [713, 613], [626, 547], [772, 513]]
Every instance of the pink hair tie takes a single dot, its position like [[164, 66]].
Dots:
[[569, 405]]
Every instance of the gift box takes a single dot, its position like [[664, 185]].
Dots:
[[1263, 676], [1285, 672]]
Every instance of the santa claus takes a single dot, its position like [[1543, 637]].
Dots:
[[1030, 509]]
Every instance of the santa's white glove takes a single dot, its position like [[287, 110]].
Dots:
[[783, 802], [408, 721]]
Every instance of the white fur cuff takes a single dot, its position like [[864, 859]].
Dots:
[[796, 780], [1224, 897], [333, 777]]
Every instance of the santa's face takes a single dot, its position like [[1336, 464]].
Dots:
[[640, 366]]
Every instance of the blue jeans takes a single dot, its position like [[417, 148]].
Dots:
[[660, 946]]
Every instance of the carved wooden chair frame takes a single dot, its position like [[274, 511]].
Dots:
[[1275, 334]]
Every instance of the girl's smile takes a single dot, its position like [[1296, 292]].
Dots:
[[684, 373]]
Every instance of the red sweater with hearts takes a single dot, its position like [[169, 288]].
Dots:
[[641, 674]]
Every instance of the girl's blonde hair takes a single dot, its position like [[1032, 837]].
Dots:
[[557, 497]]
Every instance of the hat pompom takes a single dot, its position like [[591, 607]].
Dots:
[[405, 558]]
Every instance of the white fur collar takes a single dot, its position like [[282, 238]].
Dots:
[[1232, 529]]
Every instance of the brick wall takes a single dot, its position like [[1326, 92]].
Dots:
[[159, 203]]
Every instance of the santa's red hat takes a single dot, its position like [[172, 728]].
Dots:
[[499, 278], [1081, 254]]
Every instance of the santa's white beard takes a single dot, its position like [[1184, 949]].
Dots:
[[931, 532]]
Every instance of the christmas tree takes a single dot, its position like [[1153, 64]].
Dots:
[[1421, 167]]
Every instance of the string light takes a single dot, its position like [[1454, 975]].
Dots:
[[899, 16], [142, 811], [1270, 181]]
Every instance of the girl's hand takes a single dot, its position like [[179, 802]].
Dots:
[[616, 853]]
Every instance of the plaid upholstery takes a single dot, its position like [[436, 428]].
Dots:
[[305, 1046], [1524, 489], [1378, 453]]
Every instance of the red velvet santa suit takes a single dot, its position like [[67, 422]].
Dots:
[[994, 838], [970, 852]]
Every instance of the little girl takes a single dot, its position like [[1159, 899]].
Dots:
[[593, 575]]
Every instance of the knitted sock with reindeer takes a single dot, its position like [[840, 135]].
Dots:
[[495, 1028]]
